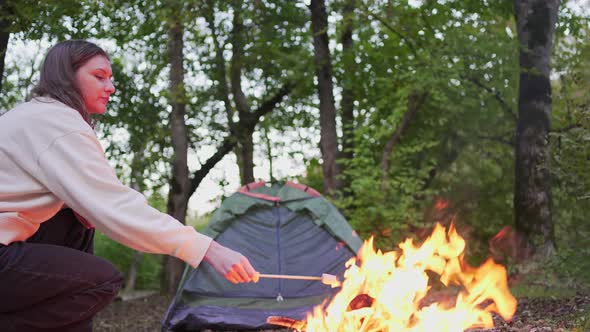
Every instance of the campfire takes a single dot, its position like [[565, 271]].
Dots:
[[393, 291]]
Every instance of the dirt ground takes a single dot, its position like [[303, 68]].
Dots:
[[132, 316], [142, 315], [533, 315]]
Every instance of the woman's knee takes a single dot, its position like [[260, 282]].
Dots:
[[109, 280], [105, 280], [114, 282], [108, 283]]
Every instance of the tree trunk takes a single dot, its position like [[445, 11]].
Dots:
[[226, 147], [245, 146], [269, 155], [137, 181], [536, 20], [246, 151], [247, 124], [347, 103], [240, 161], [180, 183], [240, 139], [219, 72], [323, 66], [133, 271], [4, 37]]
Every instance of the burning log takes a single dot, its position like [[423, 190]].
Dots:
[[287, 322], [359, 302]]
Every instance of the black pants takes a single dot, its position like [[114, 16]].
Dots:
[[52, 282]]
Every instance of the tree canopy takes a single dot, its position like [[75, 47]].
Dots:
[[423, 97]]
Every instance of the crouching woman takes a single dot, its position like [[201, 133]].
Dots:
[[56, 185]]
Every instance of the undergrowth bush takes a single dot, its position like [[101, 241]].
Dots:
[[148, 276], [121, 256]]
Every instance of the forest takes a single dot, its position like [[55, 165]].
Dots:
[[403, 113]]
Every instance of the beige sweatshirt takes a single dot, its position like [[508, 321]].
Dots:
[[50, 156]]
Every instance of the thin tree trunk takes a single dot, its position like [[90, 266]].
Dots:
[[347, 103], [223, 93], [240, 160], [240, 133], [133, 271], [246, 157], [219, 72], [269, 154], [323, 65], [245, 147], [536, 20], [136, 183], [226, 147], [248, 123], [446, 159], [4, 37], [180, 183], [415, 102]]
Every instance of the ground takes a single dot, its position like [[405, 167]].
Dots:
[[132, 316], [141, 315], [533, 315]]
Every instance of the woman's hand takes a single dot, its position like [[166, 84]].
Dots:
[[234, 266]]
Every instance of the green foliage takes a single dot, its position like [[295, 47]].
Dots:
[[571, 265], [461, 55], [458, 144], [526, 290], [199, 222], [313, 175], [582, 323], [37, 19], [570, 147], [121, 256], [137, 113]]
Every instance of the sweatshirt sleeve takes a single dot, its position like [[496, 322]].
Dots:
[[75, 169]]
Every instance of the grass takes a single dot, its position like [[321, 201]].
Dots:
[[538, 291], [544, 281]]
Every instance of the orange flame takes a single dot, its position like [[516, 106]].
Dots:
[[441, 204], [396, 284]]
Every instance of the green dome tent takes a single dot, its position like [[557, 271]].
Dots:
[[285, 228]]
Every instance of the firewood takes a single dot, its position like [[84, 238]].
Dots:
[[360, 301], [287, 322]]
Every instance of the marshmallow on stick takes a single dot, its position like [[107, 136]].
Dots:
[[327, 279]]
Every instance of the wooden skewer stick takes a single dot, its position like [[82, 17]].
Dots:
[[286, 276], [327, 279]]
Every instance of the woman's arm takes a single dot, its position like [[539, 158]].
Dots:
[[75, 169]]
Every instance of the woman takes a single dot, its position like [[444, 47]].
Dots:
[[56, 185]]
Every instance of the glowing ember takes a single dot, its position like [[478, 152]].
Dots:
[[386, 291]]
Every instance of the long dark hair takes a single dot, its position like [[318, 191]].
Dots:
[[58, 73]]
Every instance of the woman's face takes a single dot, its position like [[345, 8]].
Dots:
[[94, 79]]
